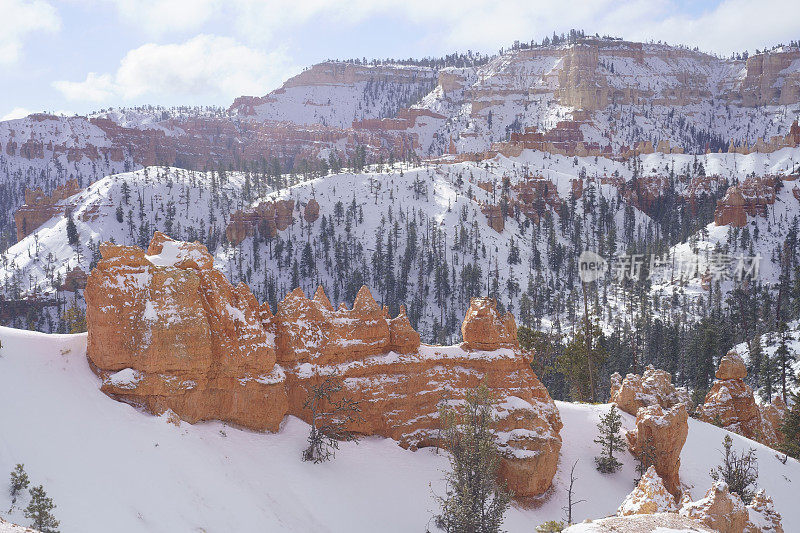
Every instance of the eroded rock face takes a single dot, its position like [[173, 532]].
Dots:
[[267, 218], [719, 509], [485, 329], [168, 332], [730, 404], [650, 496], [311, 211], [665, 430], [40, 207], [653, 387], [401, 383]]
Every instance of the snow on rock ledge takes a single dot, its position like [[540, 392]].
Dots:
[[168, 332], [650, 496]]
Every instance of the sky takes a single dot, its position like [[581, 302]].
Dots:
[[78, 56]]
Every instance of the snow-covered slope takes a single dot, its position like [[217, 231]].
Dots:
[[109, 467], [444, 203], [621, 92], [337, 94]]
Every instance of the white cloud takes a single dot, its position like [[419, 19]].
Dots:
[[728, 25], [18, 18], [204, 68], [95, 88], [17, 112], [731, 25], [159, 17]]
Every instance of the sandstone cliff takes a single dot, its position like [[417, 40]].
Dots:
[[663, 431], [168, 331]]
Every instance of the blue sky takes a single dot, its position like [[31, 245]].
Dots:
[[80, 55]]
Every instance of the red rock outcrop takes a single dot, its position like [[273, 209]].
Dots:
[[267, 217], [730, 404], [168, 332], [311, 211], [730, 210], [719, 509], [74, 280], [666, 431], [752, 197], [654, 387], [763, 518], [485, 329], [40, 207]]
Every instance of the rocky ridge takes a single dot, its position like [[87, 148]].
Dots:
[[168, 332]]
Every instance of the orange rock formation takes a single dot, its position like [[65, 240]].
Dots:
[[40, 207], [666, 430], [654, 387], [168, 331], [267, 218], [730, 404]]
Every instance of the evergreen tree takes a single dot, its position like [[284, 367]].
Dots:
[[610, 441], [784, 359], [72, 231], [739, 471], [580, 360], [40, 511], [331, 414], [19, 481], [474, 501], [791, 428]]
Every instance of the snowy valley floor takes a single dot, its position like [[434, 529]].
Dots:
[[109, 467]]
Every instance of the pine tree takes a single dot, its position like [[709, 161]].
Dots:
[[791, 428], [474, 500], [40, 511], [739, 471], [72, 231], [19, 481], [579, 362], [784, 359], [610, 440], [331, 415], [75, 319]]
